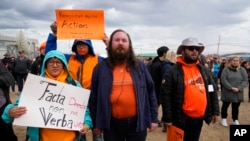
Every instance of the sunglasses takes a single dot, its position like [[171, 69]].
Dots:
[[193, 48]]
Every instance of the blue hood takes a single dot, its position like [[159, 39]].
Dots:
[[87, 42]]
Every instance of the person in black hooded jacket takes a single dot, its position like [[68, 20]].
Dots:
[[35, 67], [157, 69], [188, 92]]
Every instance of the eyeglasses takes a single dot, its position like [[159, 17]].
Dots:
[[52, 63], [193, 48]]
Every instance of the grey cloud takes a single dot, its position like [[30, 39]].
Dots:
[[160, 13], [148, 22]]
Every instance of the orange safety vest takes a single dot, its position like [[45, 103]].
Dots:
[[82, 72]]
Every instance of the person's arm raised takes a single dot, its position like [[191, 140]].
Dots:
[[106, 40], [51, 43]]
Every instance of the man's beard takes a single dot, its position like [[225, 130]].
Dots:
[[190, 60], [120, 55]]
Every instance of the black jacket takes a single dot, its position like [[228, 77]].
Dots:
[[22, 66], [157, 70], [6, 80], [35, 67], [173, 94]]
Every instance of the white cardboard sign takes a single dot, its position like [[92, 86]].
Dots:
[[52, 104]]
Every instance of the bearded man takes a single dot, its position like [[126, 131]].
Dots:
[[122, 99], [189, 93]]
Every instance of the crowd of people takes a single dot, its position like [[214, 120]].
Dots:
[[125, 106]]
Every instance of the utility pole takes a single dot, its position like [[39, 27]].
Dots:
[[218, 46]]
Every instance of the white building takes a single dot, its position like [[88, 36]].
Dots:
[[8, 45]]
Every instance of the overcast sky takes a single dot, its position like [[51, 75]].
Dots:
[[223, 26]]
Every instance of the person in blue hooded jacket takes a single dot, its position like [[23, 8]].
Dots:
[[81, 62], [54, 67]]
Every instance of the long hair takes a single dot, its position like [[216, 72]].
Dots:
[[234, 68], [131, 60]]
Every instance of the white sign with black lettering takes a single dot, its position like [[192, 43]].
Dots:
[[52, 104]]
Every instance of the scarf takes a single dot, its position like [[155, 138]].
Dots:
[[62, 77], [234, 68]]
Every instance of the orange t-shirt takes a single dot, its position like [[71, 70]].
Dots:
[[123, 98], [47, 134]]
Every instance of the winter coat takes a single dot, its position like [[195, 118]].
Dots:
[[173, 95], [22, 66], [6, 80], [157, 69], [233, 78], [36, 66]]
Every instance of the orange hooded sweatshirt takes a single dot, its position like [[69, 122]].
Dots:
[[195, 100]]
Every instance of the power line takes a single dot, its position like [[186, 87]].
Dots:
[[232, 44]]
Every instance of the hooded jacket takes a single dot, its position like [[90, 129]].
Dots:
[[80, 68], [33, 132]]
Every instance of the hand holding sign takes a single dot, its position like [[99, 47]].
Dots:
[[106, 39], [53, 28], [52, 104], [16, 112]]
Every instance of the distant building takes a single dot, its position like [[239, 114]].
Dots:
[[242, 55], [8, 44]]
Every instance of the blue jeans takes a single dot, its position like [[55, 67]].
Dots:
[[124, 130]]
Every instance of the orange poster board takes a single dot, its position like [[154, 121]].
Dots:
[[80, 24], [175, 134]]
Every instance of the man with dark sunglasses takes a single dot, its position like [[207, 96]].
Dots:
[[189, 95]]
